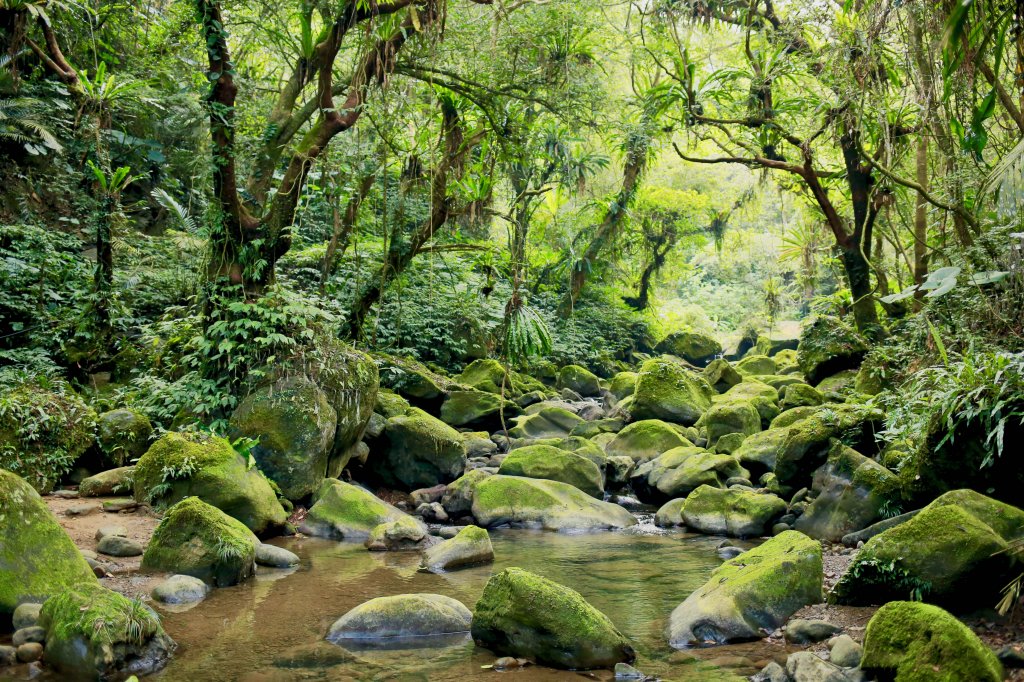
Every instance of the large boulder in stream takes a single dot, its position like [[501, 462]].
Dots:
[[463, 408], [694, 347], [536, 503], [751, 595], [907, 641], [342, 511], [420, 451], [293, 424], [579, 380], [199, 540], [731, 417], [96, 633], [667, 390], [644, 440], [488, 375], [181, 465], [350, 380], [734, 512], [37, 558], [471, 547], [953, 552], [411, 617], [828, 346], [524, 615], [545, 421], [555, 464], [682, 470], [458, 495]]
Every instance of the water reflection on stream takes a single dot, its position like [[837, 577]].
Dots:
[[272, 628]]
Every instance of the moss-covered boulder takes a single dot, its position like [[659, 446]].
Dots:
[[840, 387], [644, 440], [801, 395], [343, 511], [411, 379], [739, 513], [412, 617], [670, 514], [579, 379], [721, 375], [37, 558], [759, 395], [829, 345], [555, 464], [852, 491], [119, 481], [751, 595], [96, 633], [350, 379], [524, 615], [792, 416], [458, 495], [488, 375], [44, 428], [537, 503], [623, 384], [545, 421], [757, 365], [910, 642], [123, 435], [734, 416], [471, 547], [200, 540], [477, 408], [181, 465], [667, 390], [389, 404], [584, 447], [293, 424], [404, 534], [419, 451], [694, 347], [953, 552], [681, 470]]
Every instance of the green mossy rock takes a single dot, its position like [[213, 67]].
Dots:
[[780, 382], [411, 379], [623, 384], [787, 358], [538, 503], [390, 404], [181, 465], [681, 470], [343, 511], [402, 616], [913, 642], [670, 514], [694, 347], [420, 451], [953, 552], [792, 415], [96, 633], [458, 495], [401, 535], [43, 431], [645, 440], [751, 595], [738, 513], [489, 376], [37, 558], [801, 395], [524, 615], [546, 421], [827, 346], [734, 416], [197, 539], [852, 491], [464, 408], [761, 396], [721, 375], [350, 379], [667, 390], [584, 447], [293, 423], [123, 435], [840, 387], [118, 481], [555, 464], [757, 365], [471, 547], [579, 379]]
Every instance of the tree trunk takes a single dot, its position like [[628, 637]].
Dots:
[[343, 226], [921, 220]]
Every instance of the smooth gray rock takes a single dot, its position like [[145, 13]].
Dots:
[[181, 589], [803, 666], [624, 671], [8, 656], [773, 672], [275, 557], [26, 615], [34, 633], [802, 631], [846, 652], [119, 546], [104, 531]]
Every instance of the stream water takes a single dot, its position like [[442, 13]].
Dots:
[[272, 628]]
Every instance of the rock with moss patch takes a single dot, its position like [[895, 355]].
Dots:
[[734, 416], [37, 558], [555, 464], [579, 379], [670, 514], [488, 375], [827, 346], [694, 347], [412, 617], [801, 395], [908, 641], [681, 470], [96, 633], [123, 435], [350, 380], [667, 390], [293, 425], [471, 547], [524, 615], [751, 595], [411, 379], [623, 384], [197, 539], [181, 589], [181, 465], [389, 404], [840, 387], [401, 535], [464, 408], [536, 503], [119, 481], [757, 365], [644, 440], [343, 511], [721, 375], [953, 552], [420, 451], [458, 495], [545, 421], [852, 491], [739, 513]]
